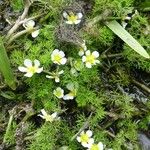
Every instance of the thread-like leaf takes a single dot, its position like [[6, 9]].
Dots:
[[5, 68], [127, 38]]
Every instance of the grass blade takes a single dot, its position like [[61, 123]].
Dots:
[[5, 67], [127, 38]]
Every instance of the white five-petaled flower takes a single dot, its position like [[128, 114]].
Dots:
[[29, 68], [82, 49], [72, 18], [59, 92], [55, 75], [58, 57], [90, 58], [98, 146], [73, 91], [48, 117], [85, 138], [29, 25]]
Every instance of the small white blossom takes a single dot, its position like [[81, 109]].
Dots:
[[90, 58], [98, 146], [85, 138], [55, 75], [59, 92], [29, 68], [29, 25], [82, 49], [58, 57], [72, 18], [48, 117], [73, 91]]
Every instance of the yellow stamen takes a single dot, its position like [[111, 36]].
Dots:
[[94, 147], [90, 59], [32, 69], [48, 118], [57, 58], [84, 138], [72, 17]]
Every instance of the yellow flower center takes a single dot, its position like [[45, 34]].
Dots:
[[84, 138], [32, 69], [94, 147], [90, 59], [57, 58], [48, 118], [58, 93], [73, 93], [72, 17]]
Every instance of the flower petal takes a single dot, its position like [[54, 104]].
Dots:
[[28, 74], [36, 63], [84, 58], [49, 77], [61, 53], [70, 86], [68, 96], [91, 141], [44, 113], [69, 22], [89, 133], [55, 51], [63, 61], [95, 54], [80, 15], [81, 53], [65, 15], [30, 23], [84, 144], [78, 139], [77, 21], [22, 69], [35, 33], [28, 63], [39, 70], [88, 52], [54, 115], [100, 145], [61, 72], [57, 79], [88, 65]]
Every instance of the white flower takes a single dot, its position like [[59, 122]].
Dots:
[[29, 25], [83, 48], [72, 93], [48, 117], [29, 68], [59, 92], [58, 57], [72, 18], [55, 75], [98, 146], [90, 58], [85, 138]]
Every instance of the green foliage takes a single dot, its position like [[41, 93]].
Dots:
[[17, 5], [114, 117], [140, 25], [45, 137]]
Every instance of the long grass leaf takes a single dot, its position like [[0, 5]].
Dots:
[[5, 68], [127, 38]]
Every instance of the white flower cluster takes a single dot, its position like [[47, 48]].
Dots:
[[88, 57], [86, 140]]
